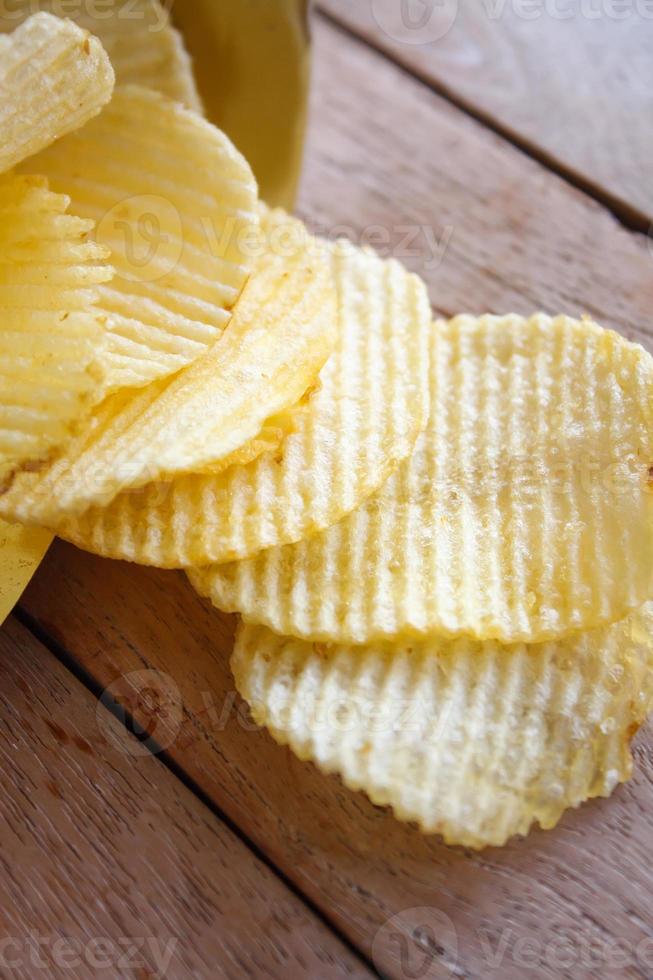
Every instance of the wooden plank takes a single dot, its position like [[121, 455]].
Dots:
[[385, 154], [110, 866], [570, 80], [491, 231], [564, 895]]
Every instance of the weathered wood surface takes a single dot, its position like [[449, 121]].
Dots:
[[553, 896], [493, 230], [490, 230], [110, 867], [569, 80]]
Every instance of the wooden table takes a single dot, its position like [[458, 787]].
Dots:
[[157, 832]]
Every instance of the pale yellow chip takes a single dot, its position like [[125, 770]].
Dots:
[[143, 47], [21, 552], [269, 440], [364, 418], [473, 741], [52, 337], [177, 205], [54, 77], [525, 513], [282, 235], [282, 332]]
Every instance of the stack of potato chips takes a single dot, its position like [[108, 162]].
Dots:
[[438, 535]]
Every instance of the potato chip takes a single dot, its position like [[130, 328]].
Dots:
[[52, 339], [365, 417], [54, 77], [525, 513], [143, 47], [269, 439], [21, 551], [282, 332], [177, 205], [282, 234], [473, 741]]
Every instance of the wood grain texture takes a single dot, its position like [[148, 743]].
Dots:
[[113, 865], [387, 160], [570, 80], [556, 897], [391, 164]]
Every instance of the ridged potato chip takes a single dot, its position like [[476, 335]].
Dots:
[[283, 234], [52, 337], [177, 205], [282, 331], [525, 513], [54, 77], [143, 47], [363, 419], [268, 440], [473, 741]]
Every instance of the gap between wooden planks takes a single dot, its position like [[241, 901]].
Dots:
[[112, 863], [588, 881], [387, 155], [570, 81]]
